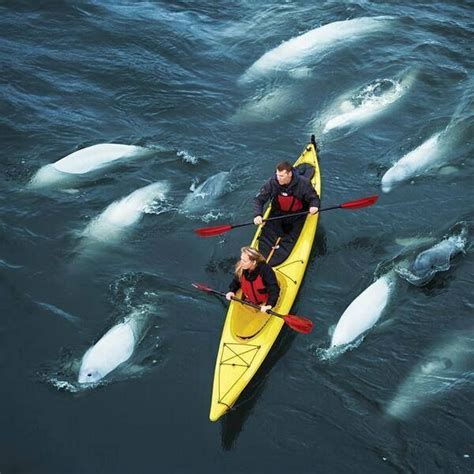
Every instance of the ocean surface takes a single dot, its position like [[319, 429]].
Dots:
[[225, 91]]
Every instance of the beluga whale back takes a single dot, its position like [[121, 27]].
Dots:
[[364, 311], [114, 348], [206, 193], [436, 258], [82, 162], [124, 213], [427, 156], [365, 103], [292, 53]]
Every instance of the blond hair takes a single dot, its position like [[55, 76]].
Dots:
[[253, 254]]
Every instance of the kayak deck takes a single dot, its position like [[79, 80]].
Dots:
[[248, 334]]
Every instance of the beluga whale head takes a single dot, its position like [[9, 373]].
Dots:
[[89, 374]]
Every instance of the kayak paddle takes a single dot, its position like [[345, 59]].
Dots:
[[221, 229], [297, 323]]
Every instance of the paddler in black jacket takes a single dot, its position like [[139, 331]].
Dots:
[[256, 278], [289, 193]]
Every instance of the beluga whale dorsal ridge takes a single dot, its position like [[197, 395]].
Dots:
[[292, 53], [114, 348], [124, 213], [82, 162], [364, 311], [423, 158]]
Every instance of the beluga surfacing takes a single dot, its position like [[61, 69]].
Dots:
[[364, 312], [423, 158], [82, 163], [292, 54], [437, 258], [114, 348], [122, 215], [365, 103]]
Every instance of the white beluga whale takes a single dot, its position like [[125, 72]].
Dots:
[[364, 311], [206, 193], [124, 213], [114, 348], [434, 259], [449, 365], [265, 105], [83, 162], [423, 158], [365, 103], [292, 54]]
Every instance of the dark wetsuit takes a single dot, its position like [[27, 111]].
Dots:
[[299, 188]]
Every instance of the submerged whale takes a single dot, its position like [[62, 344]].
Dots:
[[121, 215], [205, 194], [114, 348], [435, 259], [82, 162], [292, 53], [364, 311], [447, 366], [366, 103], [427, 156]]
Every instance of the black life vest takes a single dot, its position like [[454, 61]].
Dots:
[[289, 203], [254, 291]]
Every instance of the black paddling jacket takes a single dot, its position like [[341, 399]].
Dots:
[[265, 273], [299, 187]]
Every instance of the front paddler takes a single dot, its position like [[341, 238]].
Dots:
[[289, 193], [256, 278]]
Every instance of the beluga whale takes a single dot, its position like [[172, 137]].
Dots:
[[292, 54], [435, 259], [114, 348], [427, 156], [204, 196], [446, 367], [365, 103], [83, 163], [364, 311], [123, 214]]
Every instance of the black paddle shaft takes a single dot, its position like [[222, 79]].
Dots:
[[304, 213], [248, 303]]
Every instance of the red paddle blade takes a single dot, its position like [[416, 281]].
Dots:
[[211, 231], [298, 323], [201, 287], [359, 203]]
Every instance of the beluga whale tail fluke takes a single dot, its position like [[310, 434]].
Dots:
[[291, 54], [84, 162]]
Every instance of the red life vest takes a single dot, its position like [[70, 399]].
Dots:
[[289, 203], [254, 291]]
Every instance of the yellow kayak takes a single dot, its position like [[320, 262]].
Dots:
[[248, 334]]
